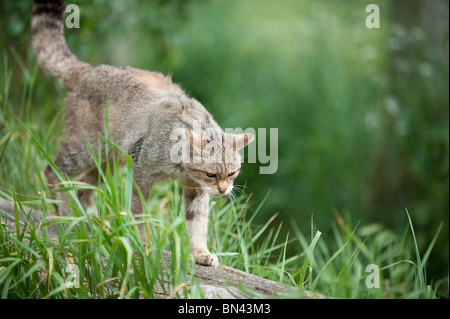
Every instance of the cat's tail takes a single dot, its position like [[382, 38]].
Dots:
[[53, 54]]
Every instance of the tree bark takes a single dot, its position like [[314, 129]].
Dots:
[[221, 282]]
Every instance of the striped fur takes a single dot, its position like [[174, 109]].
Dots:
[[47, 27]]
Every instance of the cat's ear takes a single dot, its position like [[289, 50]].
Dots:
[[195, 139], [240, 140]]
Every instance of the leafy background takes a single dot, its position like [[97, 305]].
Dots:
[[362, 114]]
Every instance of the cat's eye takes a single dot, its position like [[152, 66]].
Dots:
[[211, 175], [231, 174]]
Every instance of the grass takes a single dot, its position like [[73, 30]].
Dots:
[[34, 264]]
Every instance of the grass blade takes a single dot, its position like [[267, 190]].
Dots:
[[4, 147]]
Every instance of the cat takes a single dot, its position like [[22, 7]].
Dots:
[[144, 109]]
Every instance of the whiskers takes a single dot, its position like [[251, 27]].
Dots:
[[240, 189], [237, 192]]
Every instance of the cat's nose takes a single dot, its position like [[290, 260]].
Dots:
[[222, 190]]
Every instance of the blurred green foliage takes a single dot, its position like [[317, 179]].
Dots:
[[362, 114]]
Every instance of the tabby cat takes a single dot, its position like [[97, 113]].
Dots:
[[144, 110]]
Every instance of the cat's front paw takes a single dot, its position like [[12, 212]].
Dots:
[[207, 260]]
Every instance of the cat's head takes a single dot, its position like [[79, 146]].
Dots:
[[214, 160]]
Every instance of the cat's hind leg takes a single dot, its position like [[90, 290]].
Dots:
[[145, 186], [73, 159], [85, 194]]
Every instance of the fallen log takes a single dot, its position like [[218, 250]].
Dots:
[[221, 282]]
